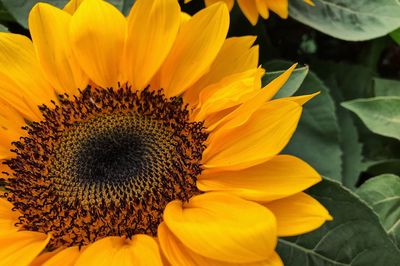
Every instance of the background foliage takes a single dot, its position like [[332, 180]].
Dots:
[[349, 51]]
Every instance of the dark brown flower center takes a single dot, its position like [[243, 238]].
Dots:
[[104, 163]]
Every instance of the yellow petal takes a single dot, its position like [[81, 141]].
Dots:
[[22, 84], [243, 113], [230, 92], [223, 227], [21, 248], [178, 254], [264, 135], [8, 218], [250, 10], [309, 2], [65, 257], [303, 99], [10, 128], [98, 32], [43, 257], [229, 3], [197, 44], [279, 7], [262, 8], [140, 250], [152, 29], [72, 6], [49, 29], [279, 177], [236, 56], [298, 214]]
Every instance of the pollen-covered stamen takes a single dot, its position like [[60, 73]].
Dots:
[[105, 163]]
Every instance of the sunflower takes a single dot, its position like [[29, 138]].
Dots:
[[252, 8], [145, 140]]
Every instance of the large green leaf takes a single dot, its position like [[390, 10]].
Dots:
[[382, 193], [20, 8], [380, 114], [277, 67], [349, 20], [316, 139], [355, 236], [386, 87], [396, 36]]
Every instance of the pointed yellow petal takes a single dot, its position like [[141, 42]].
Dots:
[[65, 257], [309, 2], [303, 99], [141, 250], [230, 92], [178, 254], [263, 136], [21, 248], [43, 257], [223, 227], [98, 32], [298, 214], [279, 7], [8, 218], [236, 56], [72, 6], [22, 84], [262, 8], [152, 29], [243, 112], [49, 29], [229, 3], [250, 10], [277, 178], [197, 44]]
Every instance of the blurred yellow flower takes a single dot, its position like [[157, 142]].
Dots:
[[253, 8]]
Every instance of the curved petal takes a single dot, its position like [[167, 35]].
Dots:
[[244, 112], [72, 6], [49, 29], [298, 214], [22, 84], [140, 250], [65, 257], [250, 10], [21, 248], [279, 7], [197, 44], [97, 34], [8, 218], [282, 176], [10, 128], [229, 3], [228, 93], [223, 227], [264, 135], [152, 29], [262, 8], [177, 254], [237, 55]]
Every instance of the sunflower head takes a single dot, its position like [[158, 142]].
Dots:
[[144, 138]]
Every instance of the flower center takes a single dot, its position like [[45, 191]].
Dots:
[[105, 163]]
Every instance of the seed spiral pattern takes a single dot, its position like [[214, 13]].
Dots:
[[104, 163]]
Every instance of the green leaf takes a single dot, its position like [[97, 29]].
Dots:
[[396, 35], [382, 193], [386, 87], [349, 20], [355, 236], [380, 114], [20, 8], [316, 139], [277, 67]]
